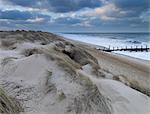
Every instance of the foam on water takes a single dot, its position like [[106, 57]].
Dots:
[[116, 40], [139, 55]]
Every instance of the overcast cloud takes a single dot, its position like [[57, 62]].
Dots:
[[75, 15]]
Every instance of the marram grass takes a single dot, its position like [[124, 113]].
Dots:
[[8, 105]]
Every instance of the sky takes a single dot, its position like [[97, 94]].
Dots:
[[75, 15]]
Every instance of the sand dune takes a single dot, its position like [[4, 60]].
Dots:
[[42, 73]]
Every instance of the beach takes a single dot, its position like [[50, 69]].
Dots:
[[115, 41], [45, 73]]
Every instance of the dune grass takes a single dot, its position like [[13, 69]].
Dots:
[[7, 60], [7, 43], [135, 85], [91, 100], [61, 96], [48, 84], [71, 58], [63, 61], [8, 105], [132, 83], [29, 52]]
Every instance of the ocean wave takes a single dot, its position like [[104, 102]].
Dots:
[[134, 42]]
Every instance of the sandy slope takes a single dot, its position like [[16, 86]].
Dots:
[[123, 99], [48, 75], [132, 70]]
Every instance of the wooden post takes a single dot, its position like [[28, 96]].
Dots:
[[136, 49], [131, 48], [109, 47], [146, 49]]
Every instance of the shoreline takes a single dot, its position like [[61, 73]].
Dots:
[[133, 68], [102, 47], [125, 53], [145, 63]]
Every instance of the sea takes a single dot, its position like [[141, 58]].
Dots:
[[120, 40]]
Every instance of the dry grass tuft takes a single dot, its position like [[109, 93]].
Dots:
[[135, 85], [132, 84], [48, 84], [122, 79], [71, 58], [63, 60], [9, 105], [91, 101], [29, 52], [61, 96], [84, 80], [7, 60], [9, 43]]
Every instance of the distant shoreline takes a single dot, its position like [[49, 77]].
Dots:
[[104, 32], [94, 39]]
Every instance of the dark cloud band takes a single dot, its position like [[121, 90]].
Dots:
[[58, 5], [15, 15]]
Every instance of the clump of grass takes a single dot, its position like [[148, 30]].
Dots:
[[77, 54], [48, 84], [68, 65], [9, 105], [63, 60], [6, 60], [29, 52], [82, 57], [61, 96], [7, 43], [83, 80], [116, 78], [132, 83], [96, 69], [91, 101], [49, 76], [122, 79], [135, 86], [70, 58]]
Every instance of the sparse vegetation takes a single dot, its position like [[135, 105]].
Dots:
[[84, 80], [79, 55], [135, 85], [61, 96], [71, 58], [29, 52], [9, 105], [48, 84], [91, 102], [9, 43], [96, 69], [132, 84], [63, 61], [6, 60], [122, 79]]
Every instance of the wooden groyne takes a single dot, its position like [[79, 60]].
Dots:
[[136, 49]]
